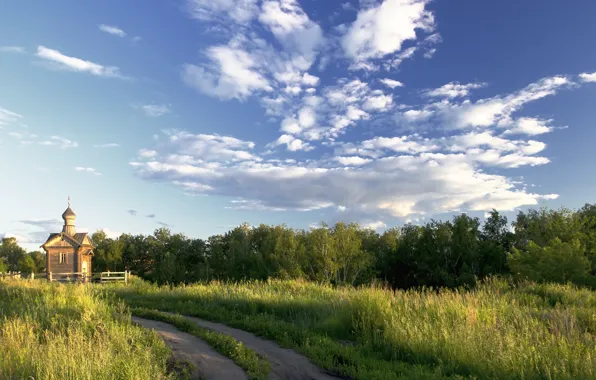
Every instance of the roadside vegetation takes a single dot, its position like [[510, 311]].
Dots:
[[54, 331], [500, 330]]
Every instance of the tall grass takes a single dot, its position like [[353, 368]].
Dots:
[[497, 331], [53, 331]]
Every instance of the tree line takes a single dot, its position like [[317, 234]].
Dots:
[[541, 245]]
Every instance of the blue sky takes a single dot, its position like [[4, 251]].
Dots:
[[203, 114]]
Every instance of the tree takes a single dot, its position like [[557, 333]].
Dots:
[[556, 262], [3, 265], [11, 252], [40, 261], [26, 264]]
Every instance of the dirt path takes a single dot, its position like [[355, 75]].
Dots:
[[285, 363], [208, 363]]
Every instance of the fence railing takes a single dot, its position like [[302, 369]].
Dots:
[[103, 277]]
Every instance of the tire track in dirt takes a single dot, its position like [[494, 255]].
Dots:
[[286, 364], [208, 363]]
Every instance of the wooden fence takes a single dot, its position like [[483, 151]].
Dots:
[[102, 277]]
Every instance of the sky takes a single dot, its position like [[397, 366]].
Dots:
[[199, 115]]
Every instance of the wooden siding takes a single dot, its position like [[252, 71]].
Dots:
[[71, 265]]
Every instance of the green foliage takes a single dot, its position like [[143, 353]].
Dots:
[[53, 331], [26, 265], [3, 265], [257, 368], [11, 253], [40, 261], [556, 262], [450, 254], [496, 331]]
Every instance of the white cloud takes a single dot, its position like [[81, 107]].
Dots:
[[307, 117], [293, 28], [234, 73], [155, 110], [108, 145], [530, 126], [113, 30], [378, 103], [8, 117], [209, 147], [405, 144], [65, 62], [310, 80], [147, 153], [453, 90], [12, 49], [376, 225], [588, 77], [208, 10], [352, 160], [496, 111], [382, 30], [60, 142], [391, 83], [393, 185], [88, 170], [292, 144]]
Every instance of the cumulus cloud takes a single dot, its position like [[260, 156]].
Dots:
[[233, 73], [58, 60], [530, 126], [483, 113], [292, 27], [588, 77], [292, 144], [352, 160], [113, 30], [391, 83], [382, 30], [448, 165]]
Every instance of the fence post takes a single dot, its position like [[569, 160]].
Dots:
[[32, 276], [125, 277], [50, 276]]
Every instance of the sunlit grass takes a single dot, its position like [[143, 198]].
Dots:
[[497, 331], [54, 331]]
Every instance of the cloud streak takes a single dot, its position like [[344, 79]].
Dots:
[[61, 61], [113, 30]]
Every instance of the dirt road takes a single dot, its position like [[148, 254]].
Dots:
[[208, 363], [285, 363]]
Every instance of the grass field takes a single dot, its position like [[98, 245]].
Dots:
[[498, 331], [53, 331]]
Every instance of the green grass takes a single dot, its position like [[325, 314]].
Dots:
[[54, 331], [256, 367], [497, 331]]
